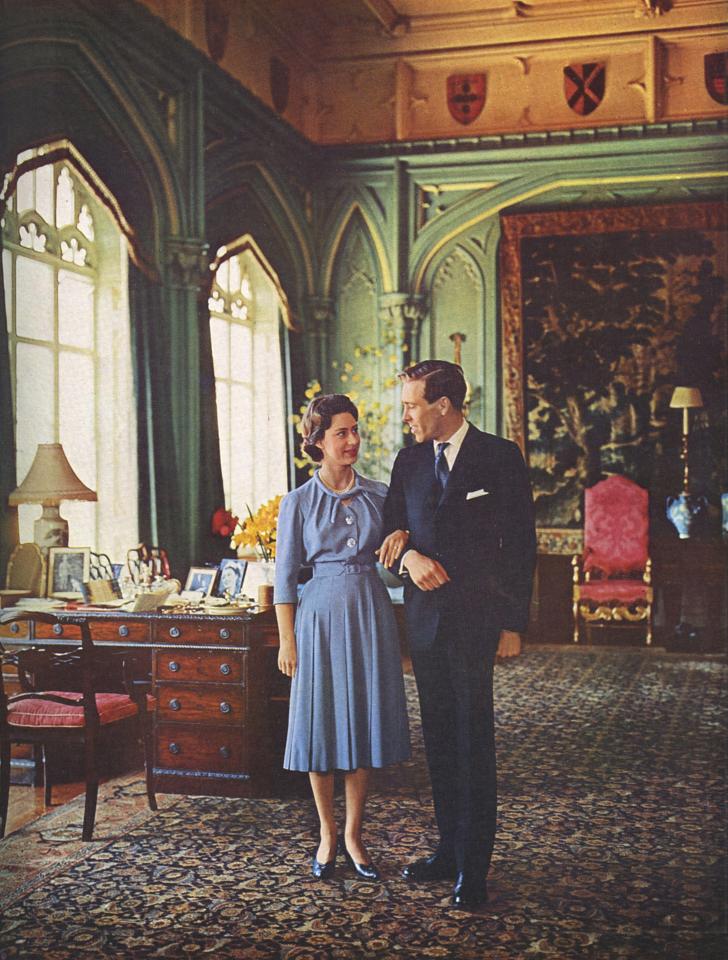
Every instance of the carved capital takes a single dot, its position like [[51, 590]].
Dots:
[[405, 313], [401, 310], [188, 264], [320, 312]]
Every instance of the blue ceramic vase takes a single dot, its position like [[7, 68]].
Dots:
[[683, 511]]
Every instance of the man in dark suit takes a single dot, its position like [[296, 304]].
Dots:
[[464, 497]]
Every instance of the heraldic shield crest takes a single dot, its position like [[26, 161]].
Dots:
[[466, 96], [716, 74], [584, 86]]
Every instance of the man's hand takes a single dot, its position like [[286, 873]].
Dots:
[[287, 656], [392, 547], [509, 644], [425, 573]]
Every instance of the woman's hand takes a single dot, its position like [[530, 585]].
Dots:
[[392, 547], [287, 656]]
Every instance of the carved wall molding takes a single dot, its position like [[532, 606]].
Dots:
[[457, 260]]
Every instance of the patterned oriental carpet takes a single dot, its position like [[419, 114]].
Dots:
[[611, 843]]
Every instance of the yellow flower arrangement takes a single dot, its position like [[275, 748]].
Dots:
[[260, 528]]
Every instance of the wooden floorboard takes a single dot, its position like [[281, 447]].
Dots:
[[26, 803]]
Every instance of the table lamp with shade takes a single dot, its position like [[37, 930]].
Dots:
[[50, 480], [684, 509]]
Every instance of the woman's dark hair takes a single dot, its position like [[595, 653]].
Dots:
[[317, 420], [441, 379]]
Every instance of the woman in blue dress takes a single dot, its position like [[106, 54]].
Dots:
[[339, 642]]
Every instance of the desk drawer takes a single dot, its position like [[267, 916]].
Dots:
[[224, 666], [15, 631], [194, 703], [182, 747], [44, 631], [190, 631], [131, 631]]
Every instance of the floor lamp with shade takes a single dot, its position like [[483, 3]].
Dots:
[[50, 480], [684, 509]]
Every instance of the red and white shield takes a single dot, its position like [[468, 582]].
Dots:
[[466, 96], [716, 76]]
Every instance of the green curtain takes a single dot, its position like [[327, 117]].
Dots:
[[212, 492], [160, 476], [158, 470], [8, 481]]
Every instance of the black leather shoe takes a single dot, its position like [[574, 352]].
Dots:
[[432, 868], [323, 871], [469, 893], [367, 871]]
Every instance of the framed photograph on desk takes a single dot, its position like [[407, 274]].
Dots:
[[68, 570], [201, 578], [230, 581]]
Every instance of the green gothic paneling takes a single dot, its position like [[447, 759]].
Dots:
[[397, 239]]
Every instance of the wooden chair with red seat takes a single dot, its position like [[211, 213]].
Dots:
[[612, 582], [59, 704]]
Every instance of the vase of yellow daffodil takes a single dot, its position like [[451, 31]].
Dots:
[[254, 536]]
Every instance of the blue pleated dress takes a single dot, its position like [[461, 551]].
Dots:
[[347, 708]]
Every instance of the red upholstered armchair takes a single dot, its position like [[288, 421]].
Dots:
[[60, 703], [612, 581]]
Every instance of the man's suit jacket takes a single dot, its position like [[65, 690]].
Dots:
[[481, 531]]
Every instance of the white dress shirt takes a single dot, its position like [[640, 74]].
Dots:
[[454, 443]]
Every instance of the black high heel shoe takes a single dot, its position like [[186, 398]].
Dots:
[[367, 871], [323, 871]]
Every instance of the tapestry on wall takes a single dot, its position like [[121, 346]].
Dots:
[[604, 312]]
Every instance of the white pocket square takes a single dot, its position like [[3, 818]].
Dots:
[[472, 494]]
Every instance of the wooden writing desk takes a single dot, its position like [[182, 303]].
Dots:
[[216, 688]]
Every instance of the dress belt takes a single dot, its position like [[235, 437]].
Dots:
[[335, 568]]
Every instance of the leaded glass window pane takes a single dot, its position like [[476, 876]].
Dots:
[[76, 413], [34, 402], [44, 192], [8, 285], [75, 309], [36, 293]]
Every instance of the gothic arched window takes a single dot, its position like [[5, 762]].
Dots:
[[65, 279]]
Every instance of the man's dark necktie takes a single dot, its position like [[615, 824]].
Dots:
[[442, 470]]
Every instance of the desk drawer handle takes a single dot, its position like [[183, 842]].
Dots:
[[225, 707], [15, 628], [224, 634], [175, 704], [225, 753], [174, 632], [225, 669], [123, 630], [175, 748], [58, 629], [173, 666]]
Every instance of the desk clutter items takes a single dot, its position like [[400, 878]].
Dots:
[[101, 591], [25, 575], [9, 598], [153, 600], [40, 603]]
